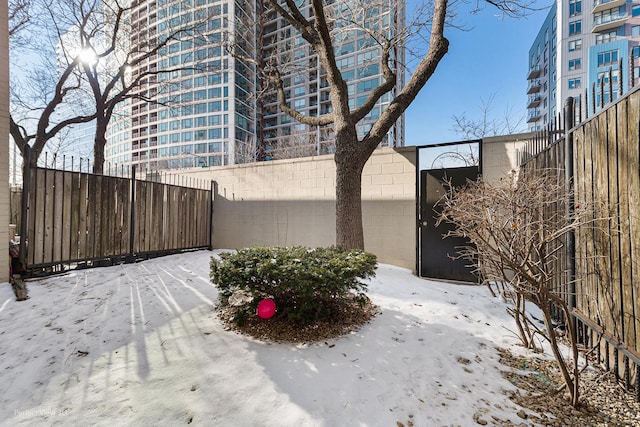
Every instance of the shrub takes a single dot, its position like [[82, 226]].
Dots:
[[307, 284]]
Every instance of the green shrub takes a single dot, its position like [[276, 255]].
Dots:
[[307, 284]]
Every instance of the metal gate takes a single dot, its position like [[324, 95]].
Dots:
[[437, 254]]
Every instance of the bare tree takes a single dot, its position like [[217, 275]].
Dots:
[[35, 111], [24, 19], [487, 124], [517, 233], [121, 68], [323, 29], [104, 56], [297, 143]]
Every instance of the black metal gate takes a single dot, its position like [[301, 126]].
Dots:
[[437, 253]]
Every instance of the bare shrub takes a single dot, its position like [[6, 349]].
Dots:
[[518, 228]]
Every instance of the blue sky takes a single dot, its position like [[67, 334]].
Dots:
[[490, 59]]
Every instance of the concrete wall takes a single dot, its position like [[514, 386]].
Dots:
[[500, 155], [4, 143], [292, 202]]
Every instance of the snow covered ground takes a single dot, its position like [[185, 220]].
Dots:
[[140, 344]]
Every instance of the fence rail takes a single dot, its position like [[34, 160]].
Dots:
[[604, 158], [82, 218]]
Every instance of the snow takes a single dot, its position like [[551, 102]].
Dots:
[[140, 344]]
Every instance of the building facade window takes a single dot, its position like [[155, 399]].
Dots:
[[575, 45], [575, 27], [608, 57], [575, 7], [574, 83], [574, 64], [609, 15], [606, 37]]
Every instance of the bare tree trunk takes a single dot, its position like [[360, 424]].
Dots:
[[349, 166], [349, 230], [99, 144]]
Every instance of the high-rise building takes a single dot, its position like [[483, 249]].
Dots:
[[216, 118], [581, 47], [357, 56]]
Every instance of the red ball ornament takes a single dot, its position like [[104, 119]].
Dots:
[[266, 308]]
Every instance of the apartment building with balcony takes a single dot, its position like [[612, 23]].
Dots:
[[198, 118], [225, 115], [541, 78], [306, 86], [593, 44]]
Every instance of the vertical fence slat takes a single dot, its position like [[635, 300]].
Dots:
[[157, 220], [613, 237], [632, 172], [58, 216], [37, 213], [175, 221], [48, 220], [580, 244], [605, 302], [148, 231], [74, 235], [124, 201], [91, 217], [592, 296], [65, 241]]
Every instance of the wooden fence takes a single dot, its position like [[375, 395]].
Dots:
[[604, 284], [81, 218]]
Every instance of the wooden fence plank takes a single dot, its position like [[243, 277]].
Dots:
[[91, 216], [613, 236], [65, 243], [148, 216], [107, 216], [189, 229], [603, 262], [34, 233], [175, 220], [579, 190], [140, 213], [633, 174], [74, 216], [623, 215], [124, 202], [591, 294], [49, 216], [83, 216], [57, 214], [157, 219], [98, 218]]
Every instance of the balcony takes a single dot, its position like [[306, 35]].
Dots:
[[533, 116], [534, 86], [600, 5], [534, 72], [534, 101], [608, 22]]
